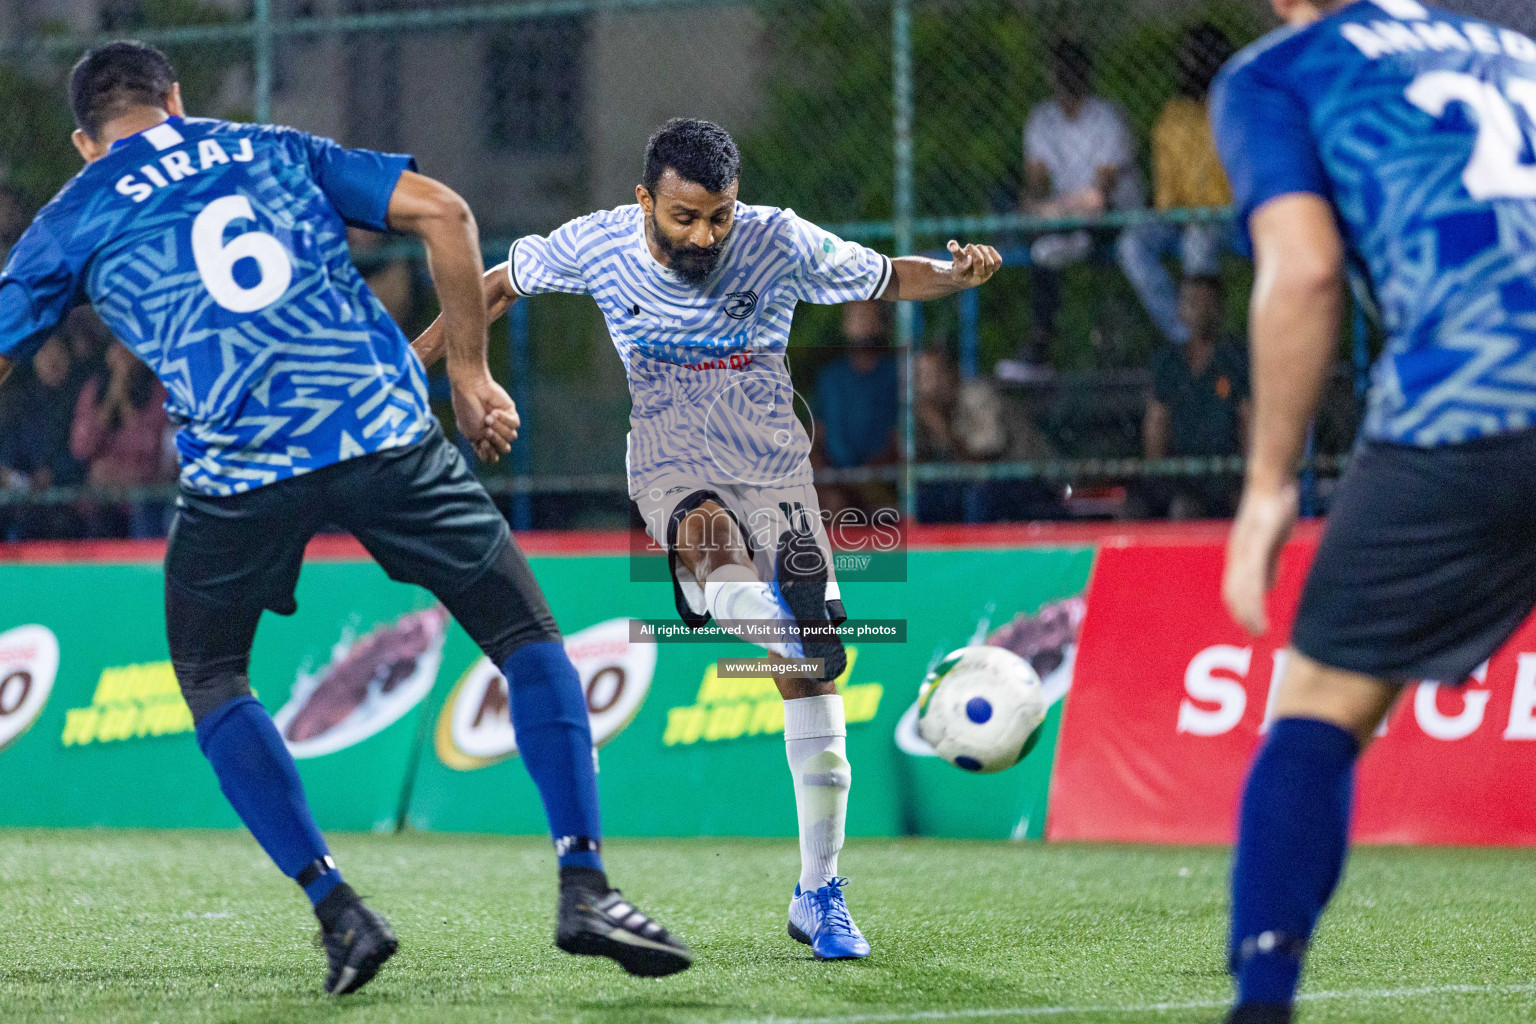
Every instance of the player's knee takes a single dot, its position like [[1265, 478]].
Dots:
[[503, 609], [1353, 702], [534, 630], [709, 532], [207, 688]]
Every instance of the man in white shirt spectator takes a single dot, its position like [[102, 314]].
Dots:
[[1080, 161]]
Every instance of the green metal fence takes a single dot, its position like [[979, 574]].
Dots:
[[895, 122]]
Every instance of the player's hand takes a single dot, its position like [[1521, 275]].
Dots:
[[486, 417], [501, 430], [973, 264], [1265, 519]]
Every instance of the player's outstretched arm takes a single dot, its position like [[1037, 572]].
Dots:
[[919, 279], [5, 369], [1298, 300], [499, 296], [438, 216]]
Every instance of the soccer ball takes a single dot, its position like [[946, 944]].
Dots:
[[981, 708]]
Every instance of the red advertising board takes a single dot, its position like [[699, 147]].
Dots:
[[1169, 701]]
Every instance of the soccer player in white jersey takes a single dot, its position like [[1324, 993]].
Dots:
[[698, 290]]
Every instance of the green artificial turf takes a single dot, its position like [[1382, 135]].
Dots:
[[197, 926]]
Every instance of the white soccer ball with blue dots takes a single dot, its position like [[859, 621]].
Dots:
[[981, 709]]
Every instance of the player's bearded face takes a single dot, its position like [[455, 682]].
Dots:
[[693, 263]]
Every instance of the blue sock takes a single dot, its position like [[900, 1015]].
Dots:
[[554, 738], [258, 778], [1293, 836]]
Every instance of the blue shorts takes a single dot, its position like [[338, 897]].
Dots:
[[1428, 562]]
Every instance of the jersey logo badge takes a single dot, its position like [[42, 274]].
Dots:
[[740, 305]]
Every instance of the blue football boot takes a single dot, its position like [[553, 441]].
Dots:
[[820, 920]]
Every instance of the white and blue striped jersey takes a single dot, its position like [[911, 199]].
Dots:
[[711, 398]]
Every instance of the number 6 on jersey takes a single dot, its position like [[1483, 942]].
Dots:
[[216, 260]]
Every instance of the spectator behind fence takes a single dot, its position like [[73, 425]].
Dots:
[[88, 340], [961, 421], [1080, 161], [858, 409], [1198, 408], [1186, 172], [119, 430], [35, 442]]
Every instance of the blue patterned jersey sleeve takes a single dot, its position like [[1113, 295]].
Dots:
[[358, 182], [1266, 142], [38, 288]]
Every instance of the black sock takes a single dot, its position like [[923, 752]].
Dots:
[[585, 878], [1261, 1013]]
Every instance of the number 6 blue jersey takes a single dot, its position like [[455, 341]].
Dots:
[[1418, 126], [217, 252]]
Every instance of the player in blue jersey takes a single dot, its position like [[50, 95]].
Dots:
[[698, 291], [217, 252], [1390, 141]]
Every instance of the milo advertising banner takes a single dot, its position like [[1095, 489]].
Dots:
[[680, 750], [685, 751], [395, 718], [93, 730]]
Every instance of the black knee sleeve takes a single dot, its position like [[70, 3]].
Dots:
[[206, 688], [210, 648], [504, 609]]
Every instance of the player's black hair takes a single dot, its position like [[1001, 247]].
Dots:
[[1072, 64], [698, 151], [113, 79], [1204, 50]]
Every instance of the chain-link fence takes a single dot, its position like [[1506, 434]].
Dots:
[[900, 123]]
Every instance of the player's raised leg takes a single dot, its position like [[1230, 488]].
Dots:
[[715, 572]]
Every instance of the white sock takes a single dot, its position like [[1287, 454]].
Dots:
[[815, 737], [735, 596]]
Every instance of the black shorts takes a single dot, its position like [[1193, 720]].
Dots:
[[1428, 561], [419, 511]]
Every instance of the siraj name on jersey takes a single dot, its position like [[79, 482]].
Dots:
[[178, 164]]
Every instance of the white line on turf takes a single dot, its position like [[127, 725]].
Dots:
[[1058, 1011]]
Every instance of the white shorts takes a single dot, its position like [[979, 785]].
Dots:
[[763, 514]]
